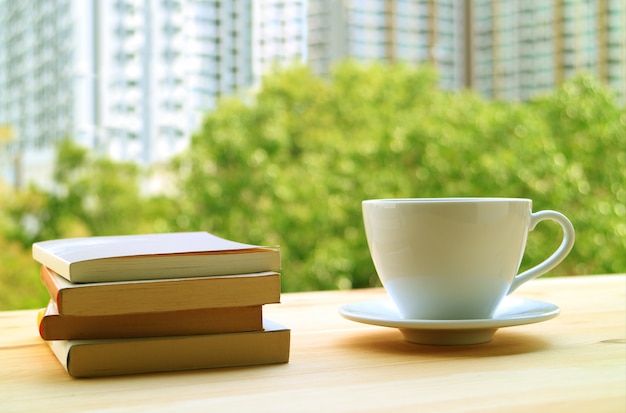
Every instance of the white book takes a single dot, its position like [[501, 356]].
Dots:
[[152, 256]]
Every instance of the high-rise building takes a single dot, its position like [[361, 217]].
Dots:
[[279, 34], [130, 79], [217, 51], [524, 48], [503, 49], [414, 31], [40, 83]]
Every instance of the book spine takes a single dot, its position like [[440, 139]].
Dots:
[[92, 358], [54, 289], [53, 326], [168, 295]]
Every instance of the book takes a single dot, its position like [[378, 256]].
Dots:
[[53, 326], [93, 358], [154, 296], [152, 256]]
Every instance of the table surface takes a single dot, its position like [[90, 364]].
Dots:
[[575, 362]]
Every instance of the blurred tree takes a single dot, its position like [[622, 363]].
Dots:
[[19, 277], [290, 165], [91, 196], [587, 129]]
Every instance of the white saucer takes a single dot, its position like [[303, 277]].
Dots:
[[513, 311]]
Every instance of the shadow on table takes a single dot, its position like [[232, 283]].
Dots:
[[504, 343]]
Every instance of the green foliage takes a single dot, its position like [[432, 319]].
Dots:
[[19, 277], [290, 165], [91, 196], [589, 162]]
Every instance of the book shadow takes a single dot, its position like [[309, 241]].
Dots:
[[184, 376], [504, 343]]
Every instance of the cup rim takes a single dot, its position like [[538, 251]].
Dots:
[[443, 200]]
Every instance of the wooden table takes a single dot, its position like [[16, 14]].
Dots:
[[575, 362]]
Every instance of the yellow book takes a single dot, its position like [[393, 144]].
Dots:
[[92, 358], [53, 326], [148, 296]]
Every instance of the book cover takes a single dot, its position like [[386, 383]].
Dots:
[[152, 256], [93, 358], [153, 296], [53, 326]]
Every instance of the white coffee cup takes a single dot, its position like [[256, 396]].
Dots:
[[455, 258]]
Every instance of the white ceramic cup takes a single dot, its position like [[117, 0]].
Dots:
[[455, 258]]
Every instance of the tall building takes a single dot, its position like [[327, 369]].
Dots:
[[217, 51], [414, 31], [139, 72], [279, 35], [130, 79], [39, 84], [503, 49], [520, 48]]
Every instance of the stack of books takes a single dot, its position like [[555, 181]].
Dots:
[[159, 302]]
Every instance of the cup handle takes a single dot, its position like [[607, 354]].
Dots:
[[558, 255]]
